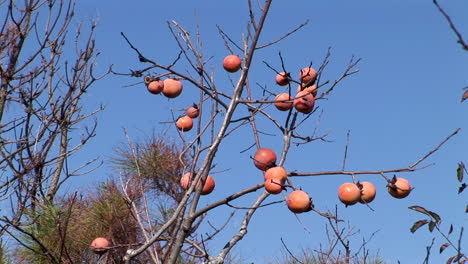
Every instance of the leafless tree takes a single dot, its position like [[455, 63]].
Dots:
[[45, 73]]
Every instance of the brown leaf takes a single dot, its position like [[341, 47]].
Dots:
[[444, 246], [457, 257], [423, 210], [417, 225], [462, 188], [449, 260], [460, 170], [419, 209], [464, 96]]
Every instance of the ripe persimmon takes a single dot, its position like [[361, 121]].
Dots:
[[192, 111], [283, 106], [264, 158], [232, 63], [282, 78], [349, 193], [298, 201], [172, 88], [276, 173], [368, 192], [308, 75], [304, 102], [399, 188], [274, 186], [208, 187], [99, 245], [184, 123], [155, 86]]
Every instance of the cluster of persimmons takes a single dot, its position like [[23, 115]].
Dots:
[[299, 201], [275, 177]]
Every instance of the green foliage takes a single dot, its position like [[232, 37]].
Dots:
[[155, 163], [62, 233], [3, 255], [46, 238]]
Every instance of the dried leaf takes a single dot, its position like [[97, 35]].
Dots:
[[464, 96], [450, 229], [462, 188], [457, 257], [444, 246], [423, 210], [419, 209], [449, 260], [431, 226], [435, 216], [460, 171], [417, 225]]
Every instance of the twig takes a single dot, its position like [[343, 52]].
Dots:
[[346, 151], [452, 26], [140, 55], [289, 251], [285, 36], [410, 168]]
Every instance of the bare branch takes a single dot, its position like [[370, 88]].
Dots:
[[452, 26]]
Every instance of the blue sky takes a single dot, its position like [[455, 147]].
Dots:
[[402, 103]]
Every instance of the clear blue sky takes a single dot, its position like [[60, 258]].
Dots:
[[404, 101]]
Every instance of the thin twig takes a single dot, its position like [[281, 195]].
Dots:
[[452, 25]]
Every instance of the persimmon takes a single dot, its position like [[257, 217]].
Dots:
[[172, 88], [399, 188], [282, 78], [185, 180], [264, 158], [99, 245], [298, 201], [208, 187], [304, 102], [368, 192], [192, 111], [274, 186], [155, 86], [276, 173], [349, 193], [283, 106], [232, 63], [308, 75], [184, 123], [311, 88]]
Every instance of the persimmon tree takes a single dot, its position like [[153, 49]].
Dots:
[[146, 213], [222, 112], [45, 72]]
